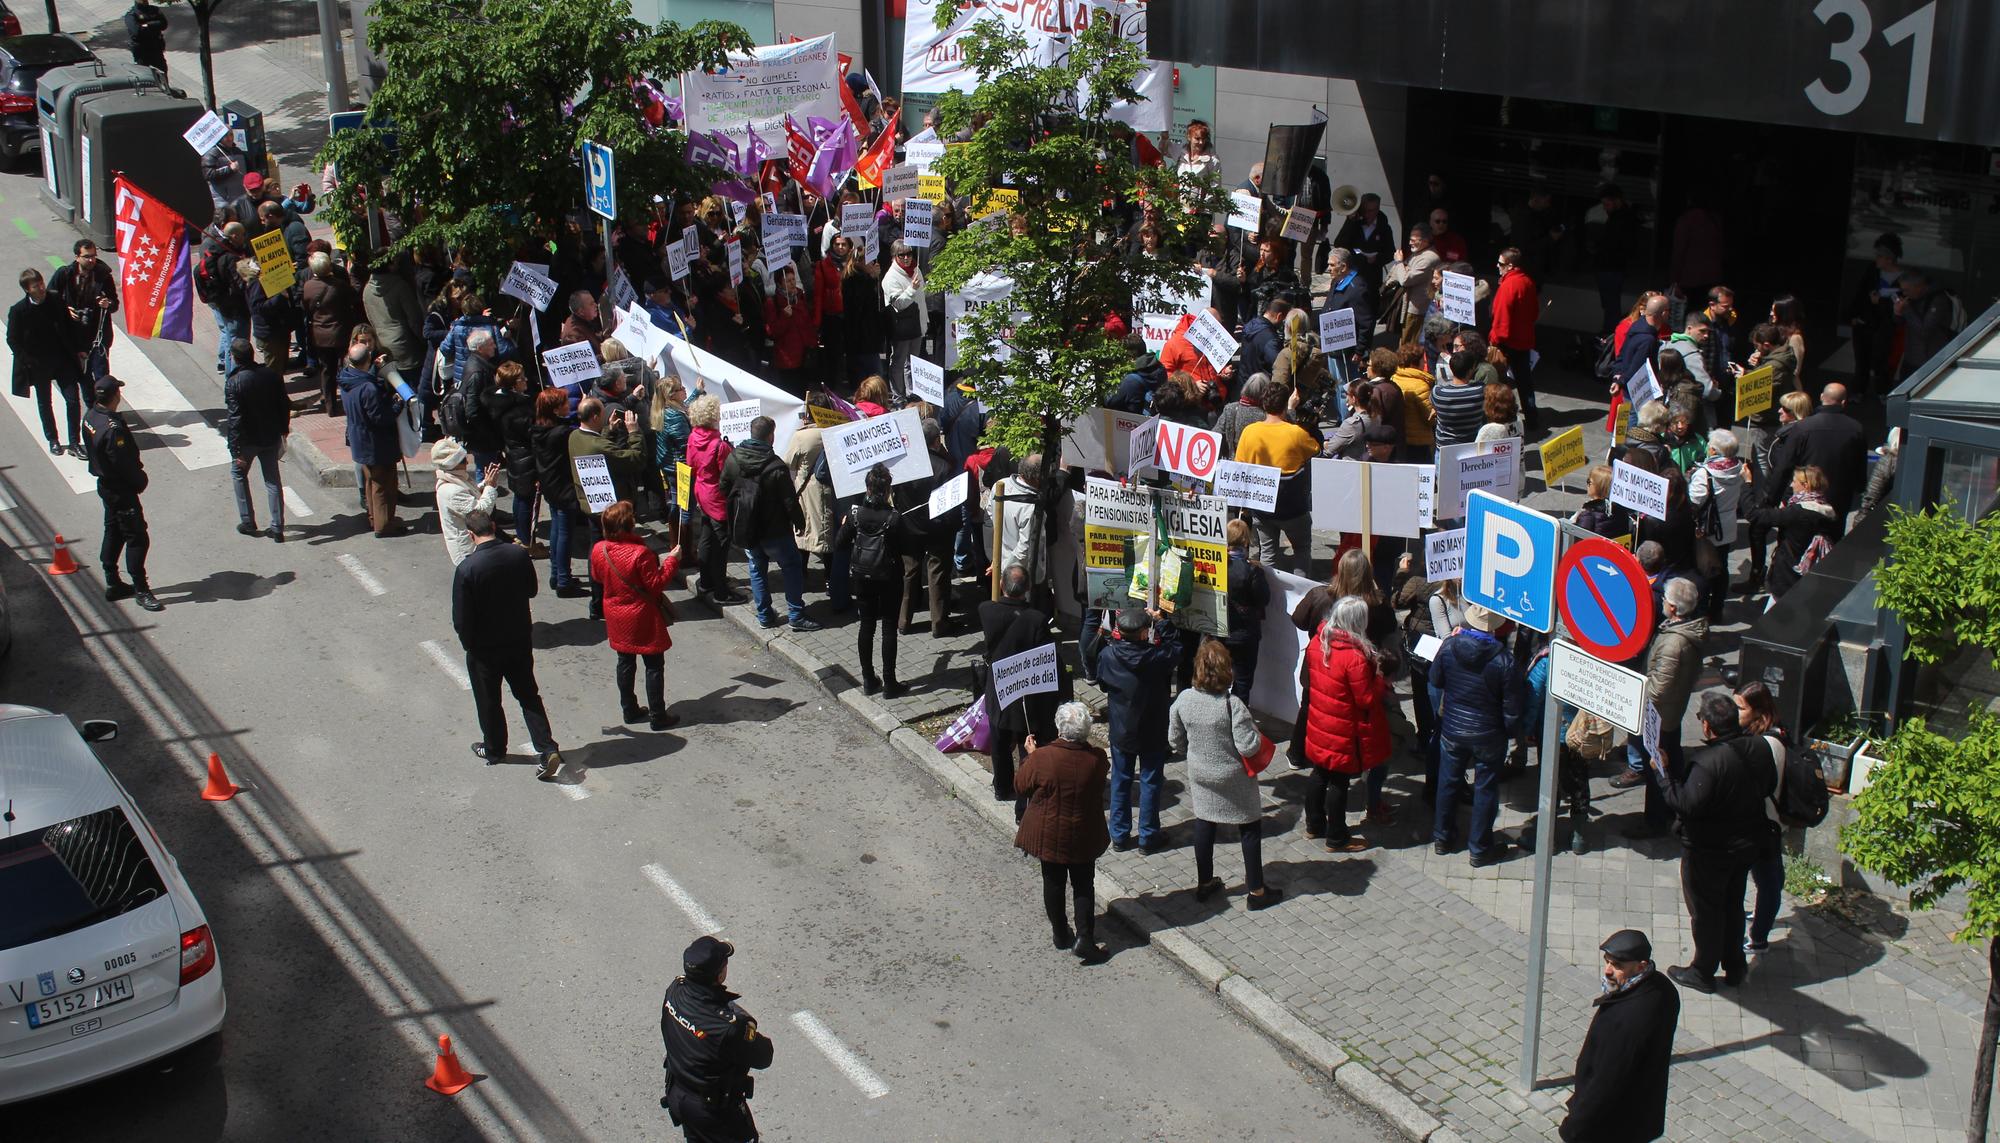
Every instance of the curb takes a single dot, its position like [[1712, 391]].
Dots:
[[969, 783], [329, 474]]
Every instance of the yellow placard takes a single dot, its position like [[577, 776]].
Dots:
[[1753, 391], [1619, 430], [683, 484], [1624, 541], [999, 198], [826, 418], [274, 262], [1563, 454], [930, 187]]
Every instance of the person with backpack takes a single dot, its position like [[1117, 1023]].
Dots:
[[1719, 802], [876, 537], [1801, 801], [461, 413], [216, 282], [764, 512], [549, 437], [708, 508]]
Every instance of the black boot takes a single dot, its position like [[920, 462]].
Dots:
[[632, 712], [869, 683], [143, 596], [116, 589]]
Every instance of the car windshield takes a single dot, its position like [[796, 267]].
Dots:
[[44, 51], [61, 878]]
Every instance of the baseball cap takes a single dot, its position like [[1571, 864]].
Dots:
[[252, 181]]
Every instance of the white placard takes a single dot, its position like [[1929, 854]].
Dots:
[[1248, 485], [530, 285], [619, 292], [927, 380], [1031, 672], [206, 132], [593, 479], [777, 258], [1215, 343], [1427, 648], [1606, 690], [1336, 330], [734, 248], [921, 153], [1455, 299], [899, 181], [950, 494], [691, 243], [1144, 438], [871, 242], [1649, 731], [637, 333], [1393, 506], [1642, 387], [1426, 495], [1299, 224], [1187, 450], [1641, 491], [677, 261], [571, 364], [736, 418], [1450, 497], [1246, 210], [1444, 555], [1156, 330], [1489, 471], [856, 217], [917, 216], [784, 230], [852, 448]]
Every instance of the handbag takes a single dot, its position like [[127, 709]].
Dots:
[[1255, 763], [1707, 555], [669, 614]]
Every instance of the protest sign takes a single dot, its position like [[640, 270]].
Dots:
[[995, 201], [1642, 386], [856, 446], [1117, 544], [1427, 647], [571, 364], [1444, 555], [921, 153], [777, 258], [637, 333], [1641, 491], [1195, 529], [1393, 508], [1498, 473], [1753, 391], [1336, 331], [683, 484], [1100, 440], [871, 242], [1426, 495], [756, 91], [900, 181], [1563, 454], [931, 187], [1144, 439], [1246, 210], [826, 418], [950, 494], [1247, 485], [1455, 299], [1298, 224], [530, 285], [1156, 330], [1490, 471], [784, 230], [1187, 450], [917, 214], [203, 135], [1649, 732], [593, 480], [856, 217], [734, 250], [1215, 343], [736, 418], [1031, 672], [927, 380], [1588, 683], [274, 262], [677, 261], [619, 292]]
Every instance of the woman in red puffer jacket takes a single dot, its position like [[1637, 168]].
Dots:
[[1347, 720], [635, 581]]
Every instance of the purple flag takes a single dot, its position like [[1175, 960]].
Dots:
[[832, 160], [673, 106], [727, 145], [703, 150], [755, 153], [735, 190], [819, 128]]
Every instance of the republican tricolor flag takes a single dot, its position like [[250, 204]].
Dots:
[[157, 281]]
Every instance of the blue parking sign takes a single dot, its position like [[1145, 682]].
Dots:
[[600, 186], [1510, 559]]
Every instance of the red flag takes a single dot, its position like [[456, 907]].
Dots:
[[1148, 154], [157, 285], [848, 103], [879, 155], [799, 150]]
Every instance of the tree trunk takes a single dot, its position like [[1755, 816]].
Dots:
[[1982, 1065], [201, 18], [55, 25]]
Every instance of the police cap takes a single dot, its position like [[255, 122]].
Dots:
[[707, 957]]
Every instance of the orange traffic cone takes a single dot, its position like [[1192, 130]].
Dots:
[[219, 787], [62, 563], [448, 1078]]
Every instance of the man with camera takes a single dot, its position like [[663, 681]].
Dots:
[[86, 287]]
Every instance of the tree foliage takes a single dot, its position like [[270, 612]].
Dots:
[[1943, 581], [1071, 166], [1930, 819], [476, 127]]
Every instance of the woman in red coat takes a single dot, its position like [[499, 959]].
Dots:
[[1347, 719], [635, 583], [794, 329]]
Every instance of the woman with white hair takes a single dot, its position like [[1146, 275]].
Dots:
[[457, 495], [1065, 783], [1347, 719], [1715, 488]]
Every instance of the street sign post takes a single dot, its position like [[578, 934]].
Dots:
[[1510, 559], [600, 182], [1604, 599]]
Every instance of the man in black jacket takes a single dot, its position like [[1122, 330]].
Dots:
[[1621, 1073], [1719, 798], [1829, 439], [1137, 674], [1348, 290], [86, 287], [490, 611], [121, 477], [47, 349], [146, 32], [754, 476], [1368, 234], [929, 570], [259, 419], [1010, 626]]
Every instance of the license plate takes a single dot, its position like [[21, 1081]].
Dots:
[[82, 1000]]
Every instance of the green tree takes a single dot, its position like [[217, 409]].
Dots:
[[1071, 166], [476, 128], [1930, 817]]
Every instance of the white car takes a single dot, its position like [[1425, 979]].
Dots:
[[106, 961]]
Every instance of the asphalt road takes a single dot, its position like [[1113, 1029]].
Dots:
[[376, 886]]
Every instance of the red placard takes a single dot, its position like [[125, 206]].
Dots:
[[1604, 598]]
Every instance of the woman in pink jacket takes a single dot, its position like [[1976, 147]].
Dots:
[[706, 454]]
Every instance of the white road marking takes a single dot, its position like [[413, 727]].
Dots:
[[704, 921], [72, 469], [164, 410], [295, 505], [6, 501], [361, 574], [447, 663], [574, 791], [840, 1055]]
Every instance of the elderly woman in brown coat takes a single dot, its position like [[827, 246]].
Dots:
[[331, 309], [1065, 784]]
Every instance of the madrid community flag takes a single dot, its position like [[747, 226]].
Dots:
[[158, 284]]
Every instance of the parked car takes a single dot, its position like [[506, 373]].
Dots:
[[23, 60], [10, 24], [106, 959]]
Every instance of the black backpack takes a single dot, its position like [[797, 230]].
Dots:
[[872, 559], [211, 274], [746, 499], [1606, 368], [1801, 798]]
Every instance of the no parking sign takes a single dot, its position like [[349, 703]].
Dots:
[[1605, 599]]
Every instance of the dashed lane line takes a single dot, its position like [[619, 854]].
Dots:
[[842, 1057], [704, 921]]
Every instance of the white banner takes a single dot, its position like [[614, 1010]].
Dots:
[[1604, 689], [593, 479], [760, 89], [1031, 672], [571, 364], [728, 382], [1248, 485], [927, 380], [1641, 491], [1444, 555], [934, 61]]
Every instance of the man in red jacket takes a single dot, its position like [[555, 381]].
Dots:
[[1516, 308]]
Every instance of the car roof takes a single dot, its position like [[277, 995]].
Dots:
[[45, 49], [47, 773]]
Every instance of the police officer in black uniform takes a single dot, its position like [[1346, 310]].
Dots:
[[121, 477], [712, 1044]]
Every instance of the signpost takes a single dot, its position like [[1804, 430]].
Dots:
[[1510, 560], [600, 187]]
